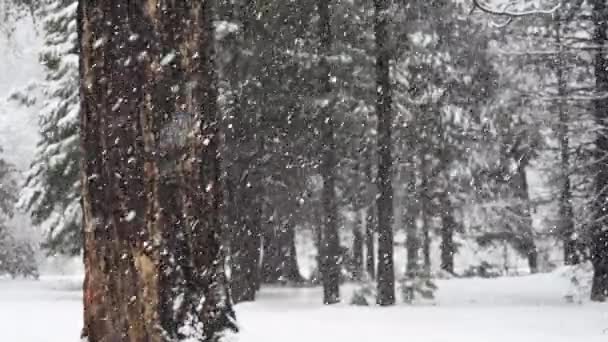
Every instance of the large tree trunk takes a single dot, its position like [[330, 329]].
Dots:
[[599, 231], [330, 270], [151, 242], [386, 274]]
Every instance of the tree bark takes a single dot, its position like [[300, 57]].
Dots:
[[330, 270], [412, 240], [386, 274], [152, 243], [370, 222], [370, 256], [448, 226], [523, 210], [358, 248], [599, 231], [565, 211], [425, 205]]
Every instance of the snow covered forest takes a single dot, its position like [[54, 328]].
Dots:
[[358, 170]]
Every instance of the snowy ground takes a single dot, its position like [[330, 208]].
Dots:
[[522, 309]]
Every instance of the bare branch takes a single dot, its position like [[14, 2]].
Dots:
[[510, 14]]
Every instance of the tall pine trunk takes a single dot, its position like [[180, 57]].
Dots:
[[370, 222], [152, 222], [330, 270], [412, 240], [448, 227], [523, 210], [599, 231], [565, 211], [386, 275]]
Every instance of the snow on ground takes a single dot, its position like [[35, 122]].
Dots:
[[521, 309]]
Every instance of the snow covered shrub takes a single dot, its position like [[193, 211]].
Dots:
[[417, 286], [365, 294], [483, 270], [580, 277], [17, 257]]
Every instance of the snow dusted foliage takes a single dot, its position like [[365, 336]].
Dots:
[[17, 257], [52, 189], [580, 277]]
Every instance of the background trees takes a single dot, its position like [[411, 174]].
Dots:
[[353, 131]]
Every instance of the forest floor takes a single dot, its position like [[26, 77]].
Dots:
[[515, 309]]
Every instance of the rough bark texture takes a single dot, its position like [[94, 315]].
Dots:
[[386, 274], [153, 262], [330, 268], [599, 231]]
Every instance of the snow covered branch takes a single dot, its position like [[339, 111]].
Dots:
[[510, 14]]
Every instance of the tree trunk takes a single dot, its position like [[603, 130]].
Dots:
[[523, 210], [386, 274], [565, 211], [599, 231], [370, 222], [370, 256], [448, 226], [412, 241], [279, 261], [330, 270], [246, 246], [152, 240], [425, 205], [358, 248]]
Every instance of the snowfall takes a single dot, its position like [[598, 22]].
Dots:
[[529, 308]]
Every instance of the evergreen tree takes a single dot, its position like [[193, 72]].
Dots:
[[52, 188]]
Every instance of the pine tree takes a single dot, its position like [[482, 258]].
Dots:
[[52, 189]]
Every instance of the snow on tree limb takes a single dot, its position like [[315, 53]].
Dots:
[[510, 14]]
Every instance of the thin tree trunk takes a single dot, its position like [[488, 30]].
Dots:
[[599, 233], [566, 215], [412, 241], [331, 243], [386, 274], [152, 250], [425, 206], [523, 195], [370, 222], [370, 256], [448, 226], [358, 248]]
